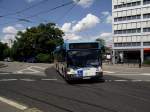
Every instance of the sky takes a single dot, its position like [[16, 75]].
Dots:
[[84, 20]]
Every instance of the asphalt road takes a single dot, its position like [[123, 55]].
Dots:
[[50, 93]]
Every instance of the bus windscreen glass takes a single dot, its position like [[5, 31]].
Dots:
[[83, 58]]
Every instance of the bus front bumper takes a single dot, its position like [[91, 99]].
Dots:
[[99, 75]]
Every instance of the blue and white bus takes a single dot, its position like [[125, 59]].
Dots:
[[79, 61]]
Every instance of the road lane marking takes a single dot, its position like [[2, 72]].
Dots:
[[127, 80], [108, 80], [33, 110], [125, 74], [145, 74], [8, 79], [37, 67], [4, 73], [110, 72], [13, 104], [26, 79], [137, 80], [31, 70], [120, 80], [49, 79], [29, 80], [147, 80], [54, 79]]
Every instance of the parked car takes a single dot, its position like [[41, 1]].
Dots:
[[7, 59], [31, 60]]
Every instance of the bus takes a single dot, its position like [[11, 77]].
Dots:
[[75, 61]]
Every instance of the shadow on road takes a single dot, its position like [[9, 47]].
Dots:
[[86, 81]]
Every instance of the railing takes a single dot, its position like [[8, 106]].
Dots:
[[136, 63], [131, 63]]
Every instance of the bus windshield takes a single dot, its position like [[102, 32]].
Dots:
[[84, 58]]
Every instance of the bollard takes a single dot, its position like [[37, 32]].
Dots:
[[140, 63]]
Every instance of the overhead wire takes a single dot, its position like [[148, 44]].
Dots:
[[26, 19], [66, 13], [49, 10], [24, 9]]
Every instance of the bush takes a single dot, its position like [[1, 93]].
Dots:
[[44, 58], [147, 62]]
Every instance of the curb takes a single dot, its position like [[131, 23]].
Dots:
[[145, 65]]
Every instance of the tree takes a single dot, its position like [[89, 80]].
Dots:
[[42, 39], [102, 43], [4, 51]]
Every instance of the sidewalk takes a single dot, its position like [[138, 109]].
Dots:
[[125, 68]]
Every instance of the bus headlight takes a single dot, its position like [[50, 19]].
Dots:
[[99, 69], [71, 71]]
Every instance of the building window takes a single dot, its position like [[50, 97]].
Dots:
[[127, 5], [127, 44], [138, 30], [146, 43], [126, 18], [146, 29], [146, 2], [128, 31], [146, 16]]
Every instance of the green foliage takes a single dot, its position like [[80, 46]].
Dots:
[[147, 62], [104, 48], [44, 58], [102, 43], [41, 39], [4, 51]]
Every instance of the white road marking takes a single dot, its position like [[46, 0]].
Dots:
[[120, 80], [110, 72], [8, 79], [26, 79], [127, 73], [108, 80], [4, 73], [33, 110], [127, 80], [49, 79], [37, 67], [137, 80], [29, 80], [33, 71], [14, 104], [147, 80], [145, 74]]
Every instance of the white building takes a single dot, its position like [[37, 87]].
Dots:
[[131, 29]]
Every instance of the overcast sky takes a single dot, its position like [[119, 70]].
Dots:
[[81, 21]]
